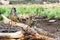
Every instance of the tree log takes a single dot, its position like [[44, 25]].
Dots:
[[42, 32], [7, 39], [30, 30], [8, 21], [11, 35], [35, 34]]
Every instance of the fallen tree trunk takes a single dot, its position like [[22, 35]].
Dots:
[[10, 22], [35, 34], [31, 31], [7, 39], [42, 32], [11, 35]]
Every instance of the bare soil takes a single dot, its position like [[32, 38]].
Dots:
[[53, 27]]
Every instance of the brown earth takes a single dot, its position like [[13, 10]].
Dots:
[[53, 28]]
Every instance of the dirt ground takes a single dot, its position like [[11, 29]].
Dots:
[[53, 28]]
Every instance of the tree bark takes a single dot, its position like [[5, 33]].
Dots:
[[11, 35], [8, 21], [34, 32]]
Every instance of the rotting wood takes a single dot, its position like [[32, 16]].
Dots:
[[27, 19], [7, 39], [11, 35], [27, 29], [35, 34], [42, 32], [8, 21]]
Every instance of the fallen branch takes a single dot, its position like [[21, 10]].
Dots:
[[8, 21], [35, 34], [12, 35], [42, 32], [30, 30]]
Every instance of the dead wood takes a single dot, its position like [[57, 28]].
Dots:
[[8, 21], [33, 32], [42, 32], [27, 19], [18, 34]]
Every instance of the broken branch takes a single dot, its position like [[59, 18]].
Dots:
[[32, 31]]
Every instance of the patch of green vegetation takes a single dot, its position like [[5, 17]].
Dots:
[[53, 12]]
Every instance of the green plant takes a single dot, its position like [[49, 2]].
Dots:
[[53, 12]]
